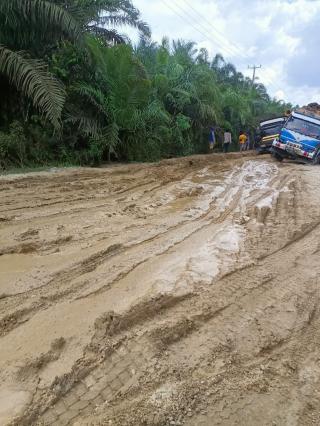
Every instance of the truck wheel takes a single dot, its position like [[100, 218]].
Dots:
[[316, 158], [277, 156]]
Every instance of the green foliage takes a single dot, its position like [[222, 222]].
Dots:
[[12, 145], [74, 91], [35, 26], [31, 78], [29, 25]]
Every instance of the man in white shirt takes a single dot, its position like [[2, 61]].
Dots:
[[226, 141]]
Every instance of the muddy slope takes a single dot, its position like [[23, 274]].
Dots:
[[180, 293]]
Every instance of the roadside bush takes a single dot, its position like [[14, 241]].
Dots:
[[13, 145]]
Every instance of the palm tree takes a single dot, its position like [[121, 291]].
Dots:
[[187, 89], [25, 25], [203, 56], [112, 108], [100, 17], [29, 28]]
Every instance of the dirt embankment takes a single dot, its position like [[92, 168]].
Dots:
[[185, 292]]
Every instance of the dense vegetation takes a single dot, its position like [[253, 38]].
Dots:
[[74, 90]]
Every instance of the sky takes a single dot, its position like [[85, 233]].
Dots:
[[283, 36]]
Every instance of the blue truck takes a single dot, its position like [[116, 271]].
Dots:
[[299, 137]]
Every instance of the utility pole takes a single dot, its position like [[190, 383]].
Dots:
[[254, 68]]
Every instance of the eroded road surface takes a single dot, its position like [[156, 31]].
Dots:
[[180, 293]]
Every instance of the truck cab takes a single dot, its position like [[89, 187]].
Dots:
[[299, 138], [268, 131]]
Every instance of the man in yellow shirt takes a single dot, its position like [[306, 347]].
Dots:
[[243, 141]]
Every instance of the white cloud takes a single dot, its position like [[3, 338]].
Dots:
[[280, 95], [282, 35]]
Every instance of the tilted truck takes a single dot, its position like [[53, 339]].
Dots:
[[299, 138], [268, 131]]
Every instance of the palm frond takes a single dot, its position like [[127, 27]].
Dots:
[[94, 95], [32, 78], [111, 133], [108, 35], [39, 12], [88, 125], [124, 20]]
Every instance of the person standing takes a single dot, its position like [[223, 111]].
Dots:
[[227, 139], [212, 139], [242, 141]]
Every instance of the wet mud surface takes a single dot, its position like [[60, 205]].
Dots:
[[178, 293]]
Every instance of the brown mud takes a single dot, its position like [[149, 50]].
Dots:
[[178, 293]]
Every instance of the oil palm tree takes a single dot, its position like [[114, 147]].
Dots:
[[29, 27], [102, 18], [25, 26], [112, 106]]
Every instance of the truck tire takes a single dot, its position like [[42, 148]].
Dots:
[[316, 158], [277, 156]]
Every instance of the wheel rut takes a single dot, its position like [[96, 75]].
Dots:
[[187, 294]]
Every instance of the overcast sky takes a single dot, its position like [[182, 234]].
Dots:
[[281, 35]]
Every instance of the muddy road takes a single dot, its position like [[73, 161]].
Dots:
[[180, 293]]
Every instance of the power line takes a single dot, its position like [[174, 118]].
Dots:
[[271, 81], [233, 45], [224, 43], [190, 21], [254, 68], [237, 51]]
